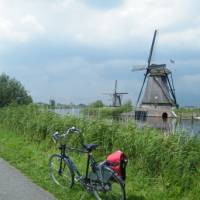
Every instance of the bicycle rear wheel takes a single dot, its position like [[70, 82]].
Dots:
[[114, 190], [61, 171]]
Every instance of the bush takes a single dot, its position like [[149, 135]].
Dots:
[[96, 104], [12, 91]]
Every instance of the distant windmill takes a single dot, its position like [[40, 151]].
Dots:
[[116, 96], [159, 90]]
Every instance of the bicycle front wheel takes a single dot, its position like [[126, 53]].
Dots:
[[113, 190], [60, 171]]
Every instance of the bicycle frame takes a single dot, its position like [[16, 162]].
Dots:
[[90, 160]]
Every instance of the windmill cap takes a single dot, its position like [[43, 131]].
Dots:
[[158, 69]]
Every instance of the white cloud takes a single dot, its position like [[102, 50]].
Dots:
[[133, 20], [187, 38], [20, 29], [31, 24]]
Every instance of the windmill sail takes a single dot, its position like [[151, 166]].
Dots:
[[152, 46]]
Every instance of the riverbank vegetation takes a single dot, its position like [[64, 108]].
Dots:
[[187, 112], [160, 166], [98, 109]]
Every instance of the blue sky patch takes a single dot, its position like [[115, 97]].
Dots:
[[103, 4]]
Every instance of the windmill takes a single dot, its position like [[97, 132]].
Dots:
[[116, 96], [159, 93]]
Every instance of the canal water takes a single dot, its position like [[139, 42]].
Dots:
[[68, 111], [191, 126]]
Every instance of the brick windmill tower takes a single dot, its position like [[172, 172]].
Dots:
[[159, 95]]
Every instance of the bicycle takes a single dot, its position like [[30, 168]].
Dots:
[[99, 179]]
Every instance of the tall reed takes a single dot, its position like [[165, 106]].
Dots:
[[173, 159]]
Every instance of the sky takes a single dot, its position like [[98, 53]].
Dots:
[[74, 50]]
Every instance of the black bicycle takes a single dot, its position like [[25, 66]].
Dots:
[[99, 179]]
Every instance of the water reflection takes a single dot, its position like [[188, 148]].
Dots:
[[172, 125], [158, 122], [189, 125]]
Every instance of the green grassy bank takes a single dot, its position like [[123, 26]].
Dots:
[[32, 159], [107, 112], [187, 112], [160, 166]]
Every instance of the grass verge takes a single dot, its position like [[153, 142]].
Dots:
[[32, 160], [160, 167]]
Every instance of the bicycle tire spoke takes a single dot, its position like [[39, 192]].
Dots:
[[60, 172], [116, 191]]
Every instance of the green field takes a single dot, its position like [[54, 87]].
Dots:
[[160, 166]]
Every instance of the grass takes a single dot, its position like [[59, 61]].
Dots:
[[32, 159], [187, 112], [160, 166], [102, 112]]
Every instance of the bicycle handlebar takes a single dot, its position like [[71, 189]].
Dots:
[[57, 136], [73, 129]]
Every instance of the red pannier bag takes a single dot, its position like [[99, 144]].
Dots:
[[117, 161]]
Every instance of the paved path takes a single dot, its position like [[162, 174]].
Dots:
[[15, 186]]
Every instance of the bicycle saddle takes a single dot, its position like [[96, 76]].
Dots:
[[90, 147]]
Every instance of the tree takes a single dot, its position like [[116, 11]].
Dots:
[[52, 103], [12, 91], [97, 104], [126, 106]]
